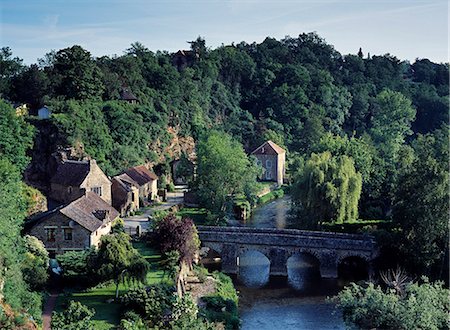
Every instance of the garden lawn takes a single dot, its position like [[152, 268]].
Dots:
[[107, 315], [198, 215]]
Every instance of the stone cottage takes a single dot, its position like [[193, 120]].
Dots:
[[74, 178], [125, 194], [147, 181], [272, 158], [75, 226]]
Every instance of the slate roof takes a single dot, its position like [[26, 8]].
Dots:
[[125, 181], [141, 174], [87, 211], [127, 95], [270, 148], [71, 173]]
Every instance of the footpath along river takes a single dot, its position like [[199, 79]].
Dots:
[[294, 303]]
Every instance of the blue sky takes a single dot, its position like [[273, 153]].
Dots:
[[408, 29]]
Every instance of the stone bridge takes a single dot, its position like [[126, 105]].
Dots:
[[278, 245]]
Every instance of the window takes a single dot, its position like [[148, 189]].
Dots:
[[67, 234], [263, 150], [268, 163], [97, 190], [50, 234]]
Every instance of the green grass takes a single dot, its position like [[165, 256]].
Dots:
[[198, 215], [107, 315], [274, 194]]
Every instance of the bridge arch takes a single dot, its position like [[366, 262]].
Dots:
[[253, 267], [211, 258]]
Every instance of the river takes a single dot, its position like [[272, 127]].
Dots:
[[294, 303]]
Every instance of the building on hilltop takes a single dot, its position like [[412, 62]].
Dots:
[[147, 182], [75, 226], [184, 58], [127, 95], [271, 158], [125, 194], [74, 178]]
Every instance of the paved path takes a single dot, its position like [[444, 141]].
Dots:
[[173, 198], [48, 310]]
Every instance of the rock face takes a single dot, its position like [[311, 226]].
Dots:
[[177, 146]]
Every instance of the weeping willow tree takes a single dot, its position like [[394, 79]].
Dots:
[[327, 189]]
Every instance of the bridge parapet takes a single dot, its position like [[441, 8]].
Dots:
[[279, 244]]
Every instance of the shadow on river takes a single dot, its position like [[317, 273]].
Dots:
[[293, 303]]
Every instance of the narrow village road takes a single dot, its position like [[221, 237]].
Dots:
[[173, 198]]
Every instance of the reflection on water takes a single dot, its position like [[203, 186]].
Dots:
[[272, 215], [298, 302], [294, 315], [303, 271], [254, 269]]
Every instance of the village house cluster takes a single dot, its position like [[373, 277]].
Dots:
[[87, 204]]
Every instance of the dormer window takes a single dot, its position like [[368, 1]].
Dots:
[[97, 190], [263, 150]]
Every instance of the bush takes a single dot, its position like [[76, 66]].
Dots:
[[77, 267], [150, 303], [222, 306], [35, 264], [201, 272], [170, 187], [271, 196], [118, 226], [423, 306], [75, 317], [132, 321]]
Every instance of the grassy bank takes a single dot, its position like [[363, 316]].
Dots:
[[107, 312], [274, 194]]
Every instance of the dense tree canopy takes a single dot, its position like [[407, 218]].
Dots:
[[224, 170], [327, 190], [298, 91]]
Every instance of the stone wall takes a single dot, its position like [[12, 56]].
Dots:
[[278, 245], [65, 194], [96, 178], [277, 169], [80, 235], [96, 235]]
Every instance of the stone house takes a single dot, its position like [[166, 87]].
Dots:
[[74, 178], [272, 158], [125, 194], [147, 182], [75, 226]]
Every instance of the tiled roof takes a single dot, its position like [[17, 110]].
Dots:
[[90, 211], [125, 181], [141, 174], [71, 173], [270, 148]]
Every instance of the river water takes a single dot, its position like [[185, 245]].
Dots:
[[293, 303]]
